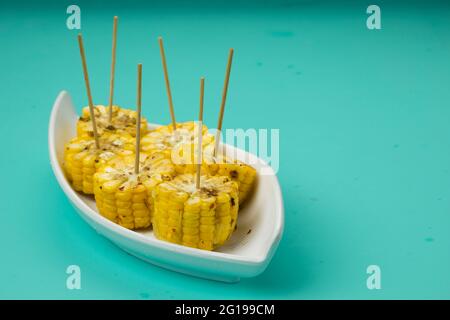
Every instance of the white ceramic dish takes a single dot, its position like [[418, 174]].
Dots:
[[246, 254]]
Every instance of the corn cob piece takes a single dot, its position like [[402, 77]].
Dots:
[[222, 165], [242, 173], [82, 158], [123, 122], [179, 146], [203, 218], [125, 197]]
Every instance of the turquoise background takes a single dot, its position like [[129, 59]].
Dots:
[[364, 120]]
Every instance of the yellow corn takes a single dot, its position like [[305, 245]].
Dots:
[[203, 218], [82, 158], [179, 146], [125, 197], [123, 122], [243, 174]]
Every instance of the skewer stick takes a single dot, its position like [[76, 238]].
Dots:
[[88, 90], [113, 67], [166, 77], [200, 133], [138, 124], [224, 98]]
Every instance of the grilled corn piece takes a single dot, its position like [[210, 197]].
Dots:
[[222, 165], [123, 122], [203, 218], [82, 158], [179, 146], [240, 172], [125, 197]]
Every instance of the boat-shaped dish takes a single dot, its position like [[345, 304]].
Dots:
[[246, 254]]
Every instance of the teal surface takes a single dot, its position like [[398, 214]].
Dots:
[[364, 121]]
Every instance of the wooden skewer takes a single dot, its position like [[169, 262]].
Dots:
[[200, 134], [166, 77], [138, 123], [88, 90], [113, 67], [224, 98]]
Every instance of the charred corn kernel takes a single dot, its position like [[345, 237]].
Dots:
[[203, 218], [123, 122], [243, 174], [125, 197], [178, 145], [82, 158]]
